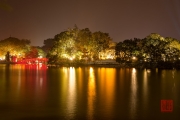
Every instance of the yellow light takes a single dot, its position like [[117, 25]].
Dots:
[[109, 57], [133, 58], [71, 58], [91, 92], [65, 55], [71, 98]]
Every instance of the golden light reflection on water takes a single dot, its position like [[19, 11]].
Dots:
[[133, 96], [80, 80], [107, 86], [71, 98], [83, 92], [64, 86], [145, 89], [91, 93]]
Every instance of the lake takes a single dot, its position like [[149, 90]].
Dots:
[[91, 93]]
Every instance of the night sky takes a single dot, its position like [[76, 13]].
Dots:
[[38, 20]]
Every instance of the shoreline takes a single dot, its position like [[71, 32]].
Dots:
[[116, 66], [168, 66]]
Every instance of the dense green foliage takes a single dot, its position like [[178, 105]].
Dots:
[[153, 48], [78, 45]]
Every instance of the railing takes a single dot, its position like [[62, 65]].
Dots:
[[32, 61]]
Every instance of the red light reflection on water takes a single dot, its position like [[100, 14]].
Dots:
[[166, 105], [36, 82], [37, 74]]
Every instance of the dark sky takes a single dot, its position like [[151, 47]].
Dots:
[[38, 20]]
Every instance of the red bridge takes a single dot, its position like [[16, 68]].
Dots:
[[32, 61]]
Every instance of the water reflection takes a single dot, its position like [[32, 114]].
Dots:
[[106, 88], [133, 97], [23, 85], [71, 98], [85, 92], [145, 89], [91, 93]]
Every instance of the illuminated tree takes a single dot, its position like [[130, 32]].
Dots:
[[41, 52], [101, 42], [83, 42], [14, 46], [154, 47], [127, 49], [63, 47], [32, 53], [35, 52], [77, 45], [172, 49]]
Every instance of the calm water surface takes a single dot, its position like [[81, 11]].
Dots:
[[37, 92]]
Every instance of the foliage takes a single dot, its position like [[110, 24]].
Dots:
[[153, 47], [77, 45], [48, 44], [19, 48], [14, 46], [34, 52]]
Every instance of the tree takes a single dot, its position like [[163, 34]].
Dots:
[[48, 44], [172, 49], [127, 49], [77, 44], [63, 47], [32, 53], [154, 47], [14, 46], [100, 42]]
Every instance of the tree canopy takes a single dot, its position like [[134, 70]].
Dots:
[[154, 47], [14, 46], [19, 48], [78, 45]]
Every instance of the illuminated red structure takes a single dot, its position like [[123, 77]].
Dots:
[[33, 61]]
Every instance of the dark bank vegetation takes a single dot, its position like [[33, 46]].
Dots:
[[150, 52]]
